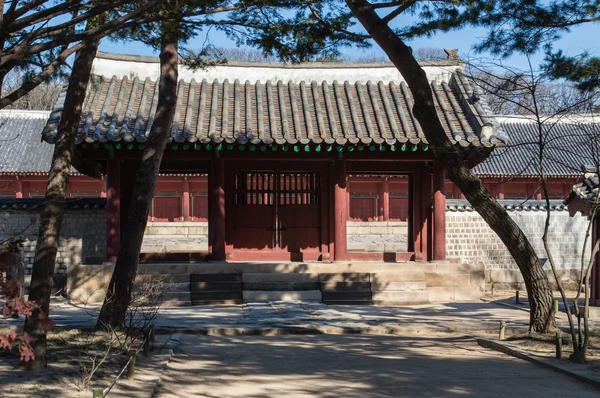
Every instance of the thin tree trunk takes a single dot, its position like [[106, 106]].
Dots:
[[54, 205], [536, 280], [118, 294]]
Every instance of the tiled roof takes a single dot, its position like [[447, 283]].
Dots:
[[122, 109], [510, 205], [36, 204], [587, 189], [20, 146], [567, 145]]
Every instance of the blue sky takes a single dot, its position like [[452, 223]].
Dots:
[[580, 39]]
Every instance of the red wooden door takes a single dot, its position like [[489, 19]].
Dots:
[[200, 207], [254, 215], [298, 212], [398, 208], [166, 208], [277, 212], [363, 208]]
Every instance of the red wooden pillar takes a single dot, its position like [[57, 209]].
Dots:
[[103, 188], [439, 212], [113, 218], [128, 176], [385, 203], [340, 211], [501, 191], [18, 188], [216, 199], [348, 200], [186, 200], [426, 244]]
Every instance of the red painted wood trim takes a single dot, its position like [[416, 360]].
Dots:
[[426, 219], [340, 211], [186, 200], [113, 217], [385, 195], [439, 212], [18, 188], [216, 199]]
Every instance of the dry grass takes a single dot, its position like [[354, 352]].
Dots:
[[62, 378]]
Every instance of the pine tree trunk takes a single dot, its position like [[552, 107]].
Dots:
[[119, 292], [536, 280], [54, 205]]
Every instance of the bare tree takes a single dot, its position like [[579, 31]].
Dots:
[[529, 94], [42, 97]]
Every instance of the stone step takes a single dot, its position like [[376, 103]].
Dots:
[[348, 302], [264, 295], [398, 277], [344, 277], [216, 296], [329, 296], [410, 286], [281, 286], [166, 278], [279, 277], [335, 286], [216, 286], [216, 277], [401, 298]]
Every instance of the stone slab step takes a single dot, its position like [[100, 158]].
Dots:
[[410, 286], [401, 298], [279, 277], [348, 302], [281, 286], [216, 302], [204, 296], [346, 296], [166, 278], [216, 277], [398, 277], [335, 286], [218, 286], [264, 295], [345, 277]]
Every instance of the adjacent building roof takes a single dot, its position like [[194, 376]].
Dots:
[[37, 204], [20, 146], [587, 189], [461, 205], [280, 111], [568, 143]]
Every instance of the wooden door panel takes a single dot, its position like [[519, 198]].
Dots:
[[299, 227]]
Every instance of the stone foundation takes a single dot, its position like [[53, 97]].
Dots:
[[382, 236]]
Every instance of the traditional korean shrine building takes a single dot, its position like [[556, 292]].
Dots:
[[279, 144]]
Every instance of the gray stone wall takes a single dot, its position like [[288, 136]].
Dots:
[[470, 239], [83, 235], [377, 236]]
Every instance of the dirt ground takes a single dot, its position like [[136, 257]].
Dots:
[[355, 366], [63, 376]]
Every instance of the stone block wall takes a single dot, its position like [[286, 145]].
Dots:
[[83, 235], [164, 237], [377, 236], [470, 239]]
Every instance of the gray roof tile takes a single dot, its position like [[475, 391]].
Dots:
[[20, 146], [123, 109], [568, 144]]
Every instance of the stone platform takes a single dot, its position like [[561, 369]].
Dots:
[[377, 283]]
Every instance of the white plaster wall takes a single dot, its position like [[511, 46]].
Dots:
[[263, 72]]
